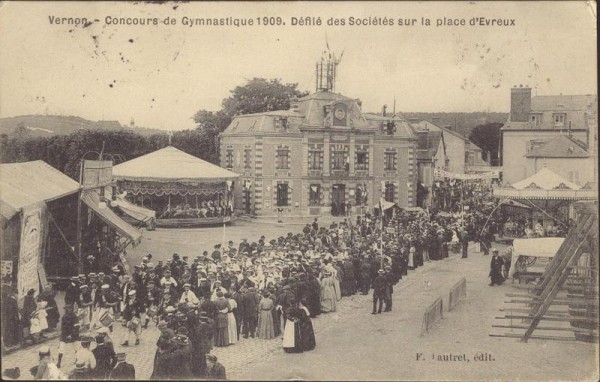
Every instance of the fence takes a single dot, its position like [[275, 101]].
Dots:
[[432, 315], [457, 293]]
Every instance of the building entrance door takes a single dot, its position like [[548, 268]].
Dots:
[[338, 199]]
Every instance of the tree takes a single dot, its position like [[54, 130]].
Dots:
[[212, 119], [256, 96], [488, 138], [260, 95]]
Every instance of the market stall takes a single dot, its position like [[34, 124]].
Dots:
[[27, 191], [533, 249]]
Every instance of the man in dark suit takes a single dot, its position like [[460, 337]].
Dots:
[[105, 358], [122, 370], [464, 241], [250, 300], [214, 370], [379, 291]]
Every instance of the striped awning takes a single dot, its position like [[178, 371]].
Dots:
[[92, 200]]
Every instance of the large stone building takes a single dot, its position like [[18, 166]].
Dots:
[[558, 132], [321, 153]]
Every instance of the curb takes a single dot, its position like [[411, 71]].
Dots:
[[25, 345]]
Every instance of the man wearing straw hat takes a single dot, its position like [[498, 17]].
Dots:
[[132, 316], [122, 370], [85, 362], [188, 297]]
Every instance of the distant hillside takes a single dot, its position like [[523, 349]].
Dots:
[[464, 122], [49, 125]]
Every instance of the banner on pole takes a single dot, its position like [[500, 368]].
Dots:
[[439, 173], [97, 173], [32, 238]]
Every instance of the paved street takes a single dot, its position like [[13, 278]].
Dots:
[[352, 344], [361, 346], [191, 242]]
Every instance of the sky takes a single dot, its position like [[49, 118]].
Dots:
[[159, 76]]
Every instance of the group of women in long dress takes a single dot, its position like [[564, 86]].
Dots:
[[298, 335], [226, 324], [330, 291], [266, 324]]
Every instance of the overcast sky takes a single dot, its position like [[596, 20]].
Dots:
[[167, 73]]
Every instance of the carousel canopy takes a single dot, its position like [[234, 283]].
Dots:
[[545, 179], [171, 165], [545, 184]]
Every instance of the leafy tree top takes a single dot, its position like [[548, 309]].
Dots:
[[256, 96]]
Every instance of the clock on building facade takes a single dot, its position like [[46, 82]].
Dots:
[[340, 115]]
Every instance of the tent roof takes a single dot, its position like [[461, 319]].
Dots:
[[171, 165], [545, 185], [22, 184], [545, 179], [535, 247], [92, 200]]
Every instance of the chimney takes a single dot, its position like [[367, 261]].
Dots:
[[520, 103], [384, 110]]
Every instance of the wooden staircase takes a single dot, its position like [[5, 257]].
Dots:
[[569, 285]]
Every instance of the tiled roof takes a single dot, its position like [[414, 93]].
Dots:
[[575, 107], [423, 124], [324, 95], [562, 102], [560, 147], [264, 122], [312, 107]]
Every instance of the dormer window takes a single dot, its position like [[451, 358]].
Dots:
[[389, 127], [535, 119], [281, 123]]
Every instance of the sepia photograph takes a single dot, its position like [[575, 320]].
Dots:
[[307, 190]]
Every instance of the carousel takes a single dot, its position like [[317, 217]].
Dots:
[[539, 206], [174, 189]]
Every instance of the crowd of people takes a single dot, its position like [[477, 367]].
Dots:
[[257, 289]]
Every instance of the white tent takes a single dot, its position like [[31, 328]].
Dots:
[[545, 179], [535, 247]]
